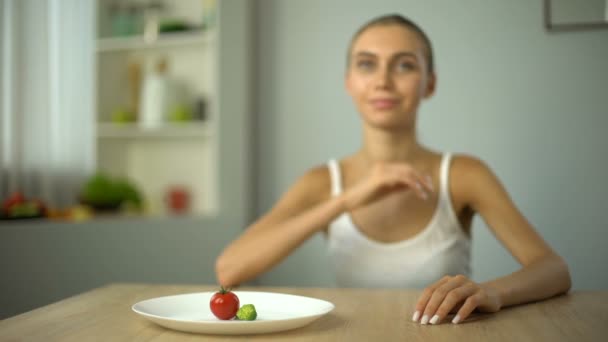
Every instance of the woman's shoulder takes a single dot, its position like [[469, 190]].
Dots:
[[471, 178], [314, 184], [316, 176], [466, 166], [319, 176]]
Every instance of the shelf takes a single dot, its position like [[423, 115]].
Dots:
[[165, 40], [181, 153], [178, 130]]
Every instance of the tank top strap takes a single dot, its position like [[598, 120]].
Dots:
[[444, 176], [335, 176], [450, 223]]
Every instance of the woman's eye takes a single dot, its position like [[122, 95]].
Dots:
[[405, 66], [365, 65]]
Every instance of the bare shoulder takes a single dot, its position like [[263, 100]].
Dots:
[[312, 187], [472, 180], [466, 166]]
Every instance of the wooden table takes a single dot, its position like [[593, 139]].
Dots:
[[105, 314]]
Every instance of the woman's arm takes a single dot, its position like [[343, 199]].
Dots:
[[302, 211], [543, 274], [305, 209], [538, 280]]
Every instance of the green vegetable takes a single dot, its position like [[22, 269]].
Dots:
[[27, 209], [247, 313], [128, 192], [101, 191]]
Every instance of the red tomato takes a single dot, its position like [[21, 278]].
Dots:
[[224, 304]]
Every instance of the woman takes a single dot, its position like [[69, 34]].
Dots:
[[396, 213]]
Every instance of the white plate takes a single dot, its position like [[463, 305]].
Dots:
[[191, 313]]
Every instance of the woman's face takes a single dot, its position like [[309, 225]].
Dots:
[[387, 76]]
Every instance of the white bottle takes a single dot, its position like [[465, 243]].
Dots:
[[155, 97]]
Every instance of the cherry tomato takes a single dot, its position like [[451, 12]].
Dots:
[[224, 304]]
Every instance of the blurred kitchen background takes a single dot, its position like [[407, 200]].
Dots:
[[138, 137]]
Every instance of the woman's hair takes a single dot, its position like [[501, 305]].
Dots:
[[396, 19]]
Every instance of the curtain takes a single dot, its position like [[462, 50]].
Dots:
[[47, 74]]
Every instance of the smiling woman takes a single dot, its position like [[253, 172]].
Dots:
[[46, 111], [409, 69], [397, 213]]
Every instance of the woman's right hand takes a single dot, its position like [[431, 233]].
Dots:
[[384, 179]]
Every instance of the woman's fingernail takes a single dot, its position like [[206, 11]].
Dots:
[[435, 319], [456, 319], [425, 319], [416, 316], [429, 181]]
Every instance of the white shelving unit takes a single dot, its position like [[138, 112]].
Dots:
[[174, 154], [195, 130], [167, 40]]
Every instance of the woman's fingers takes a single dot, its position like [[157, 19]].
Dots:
[[450, 294], [452, 300], [387, 178], [421, 184], [439, 296], [455, 294], [469, 305], [426, 297]]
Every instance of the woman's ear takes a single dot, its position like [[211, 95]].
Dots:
[[431, 85]]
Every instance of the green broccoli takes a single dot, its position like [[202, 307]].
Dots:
[[247, 313], [102, 191]]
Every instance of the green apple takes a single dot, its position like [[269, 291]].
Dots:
[[181, 113], [122, 115]]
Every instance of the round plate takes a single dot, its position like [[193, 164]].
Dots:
[[191, 313]]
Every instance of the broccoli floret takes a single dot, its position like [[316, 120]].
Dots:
[[103, 191], [247, 313]]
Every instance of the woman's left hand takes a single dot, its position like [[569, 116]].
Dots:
[[455, 293]]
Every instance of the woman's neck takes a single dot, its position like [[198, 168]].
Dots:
[[385, 146]]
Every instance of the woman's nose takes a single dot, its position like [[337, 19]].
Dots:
[[383, 79]]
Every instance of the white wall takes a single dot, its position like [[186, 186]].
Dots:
[[532, 104]]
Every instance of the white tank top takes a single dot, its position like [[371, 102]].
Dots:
[[441, 248]]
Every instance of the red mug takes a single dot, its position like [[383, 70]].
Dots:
[[178, 199]]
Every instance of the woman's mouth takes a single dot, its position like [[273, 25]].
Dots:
[[384, 103]]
